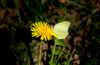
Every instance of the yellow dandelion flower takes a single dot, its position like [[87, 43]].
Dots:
[[42, 30]]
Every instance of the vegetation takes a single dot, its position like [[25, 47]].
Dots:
[[80, 47]]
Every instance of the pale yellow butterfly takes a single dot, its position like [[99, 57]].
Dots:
[[61, 29]]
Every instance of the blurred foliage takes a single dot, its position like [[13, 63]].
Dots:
[[19, 48]]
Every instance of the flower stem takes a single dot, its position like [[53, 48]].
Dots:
[[40, 53], [53, 52], [70, 57]]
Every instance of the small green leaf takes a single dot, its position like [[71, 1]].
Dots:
[[59, 42]]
